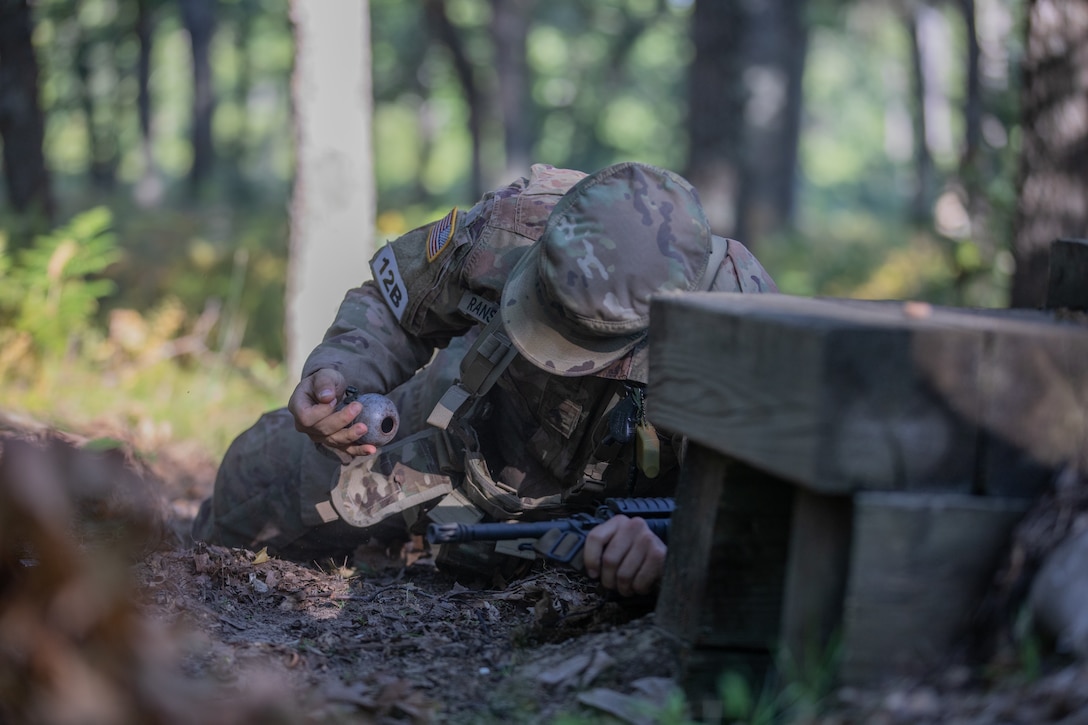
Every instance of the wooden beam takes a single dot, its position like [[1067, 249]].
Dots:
[[920, 565], [841, 395], [722, 592], [819, 560]]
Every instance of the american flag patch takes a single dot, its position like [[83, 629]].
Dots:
[[440, 234]]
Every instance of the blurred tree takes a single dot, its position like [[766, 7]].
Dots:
[[97, 84], [1053, 185], [510, 23], [745, 100], [149, 189], [199, 19], [22, 125], [332, 209], [444, 31], [242, 14], [922, 72]]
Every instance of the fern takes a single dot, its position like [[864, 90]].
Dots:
[[50, 292]]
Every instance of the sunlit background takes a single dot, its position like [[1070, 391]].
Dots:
[[173, 326]]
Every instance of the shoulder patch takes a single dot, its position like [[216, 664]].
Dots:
[[387, 275], [440, 234]]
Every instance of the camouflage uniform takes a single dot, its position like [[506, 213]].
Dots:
[[574, 304]]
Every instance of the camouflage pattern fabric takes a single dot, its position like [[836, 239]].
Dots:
[[581, 298], [535, 432]]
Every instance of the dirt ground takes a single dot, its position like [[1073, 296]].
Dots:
[[108, 613]]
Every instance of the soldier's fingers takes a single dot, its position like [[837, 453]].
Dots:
[[643, 557], [651, 568], [301, 405], [328, 385], [596, 540], [617, 549], [363, 449]]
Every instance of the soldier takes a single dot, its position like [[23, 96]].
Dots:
[[537, 301]]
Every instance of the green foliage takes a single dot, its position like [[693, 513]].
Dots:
[[52, 290], [148, 375]]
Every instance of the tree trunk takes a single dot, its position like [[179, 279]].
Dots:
[[510, 20], [715, 94], [745, 112], [149, 189], [921, 202], [333, 203], [102, 151], [445, 32], [1053, 185], [237, 151], [199, 19], [22, 124], [776, 45]]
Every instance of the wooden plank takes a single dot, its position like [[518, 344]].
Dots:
[[721, 596], [841, 395], [919, 567], [725, 575], [819, 560], [691, 536], [1030, 399], [821, 392], [1067, 285]]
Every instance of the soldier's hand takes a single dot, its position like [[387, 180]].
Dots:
[[625, 555], [313, 405]]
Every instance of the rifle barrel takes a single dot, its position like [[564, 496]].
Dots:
[[454, 532]]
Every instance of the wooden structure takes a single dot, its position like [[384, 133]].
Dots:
[[854, 470]]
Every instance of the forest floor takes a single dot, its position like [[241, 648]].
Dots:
[[205, 634]]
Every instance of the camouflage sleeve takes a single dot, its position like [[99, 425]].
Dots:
[[389, 327], [742, 272], [435, 282]]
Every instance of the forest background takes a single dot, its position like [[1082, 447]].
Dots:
[[859, 148]]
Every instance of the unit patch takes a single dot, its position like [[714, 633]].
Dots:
[[476, 307], [440, 234], [387, 275]]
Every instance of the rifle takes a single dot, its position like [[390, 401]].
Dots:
[[559, 540]]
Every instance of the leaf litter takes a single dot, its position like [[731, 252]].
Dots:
[[110, 614]]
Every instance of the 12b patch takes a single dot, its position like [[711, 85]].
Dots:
[[387, 275], [440, 234]]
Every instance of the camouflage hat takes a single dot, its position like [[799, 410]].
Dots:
[[580, 298]]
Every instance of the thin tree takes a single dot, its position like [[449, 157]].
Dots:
[[198, 16], [333, 202], [149, 189], [716, 98], [744, 119], [510, 20], [444, 31], [22, 124]]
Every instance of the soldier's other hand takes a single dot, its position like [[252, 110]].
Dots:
[[625, 555], [313, 405]]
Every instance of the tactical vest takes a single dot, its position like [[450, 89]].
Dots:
[[517, 441]]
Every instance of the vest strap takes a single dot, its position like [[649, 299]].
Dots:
[[485, 361]]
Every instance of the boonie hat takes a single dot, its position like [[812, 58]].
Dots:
[[579, 299]]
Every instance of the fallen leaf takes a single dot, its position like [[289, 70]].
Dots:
[[566, 670]]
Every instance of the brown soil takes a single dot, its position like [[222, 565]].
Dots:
[[181, 632]]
